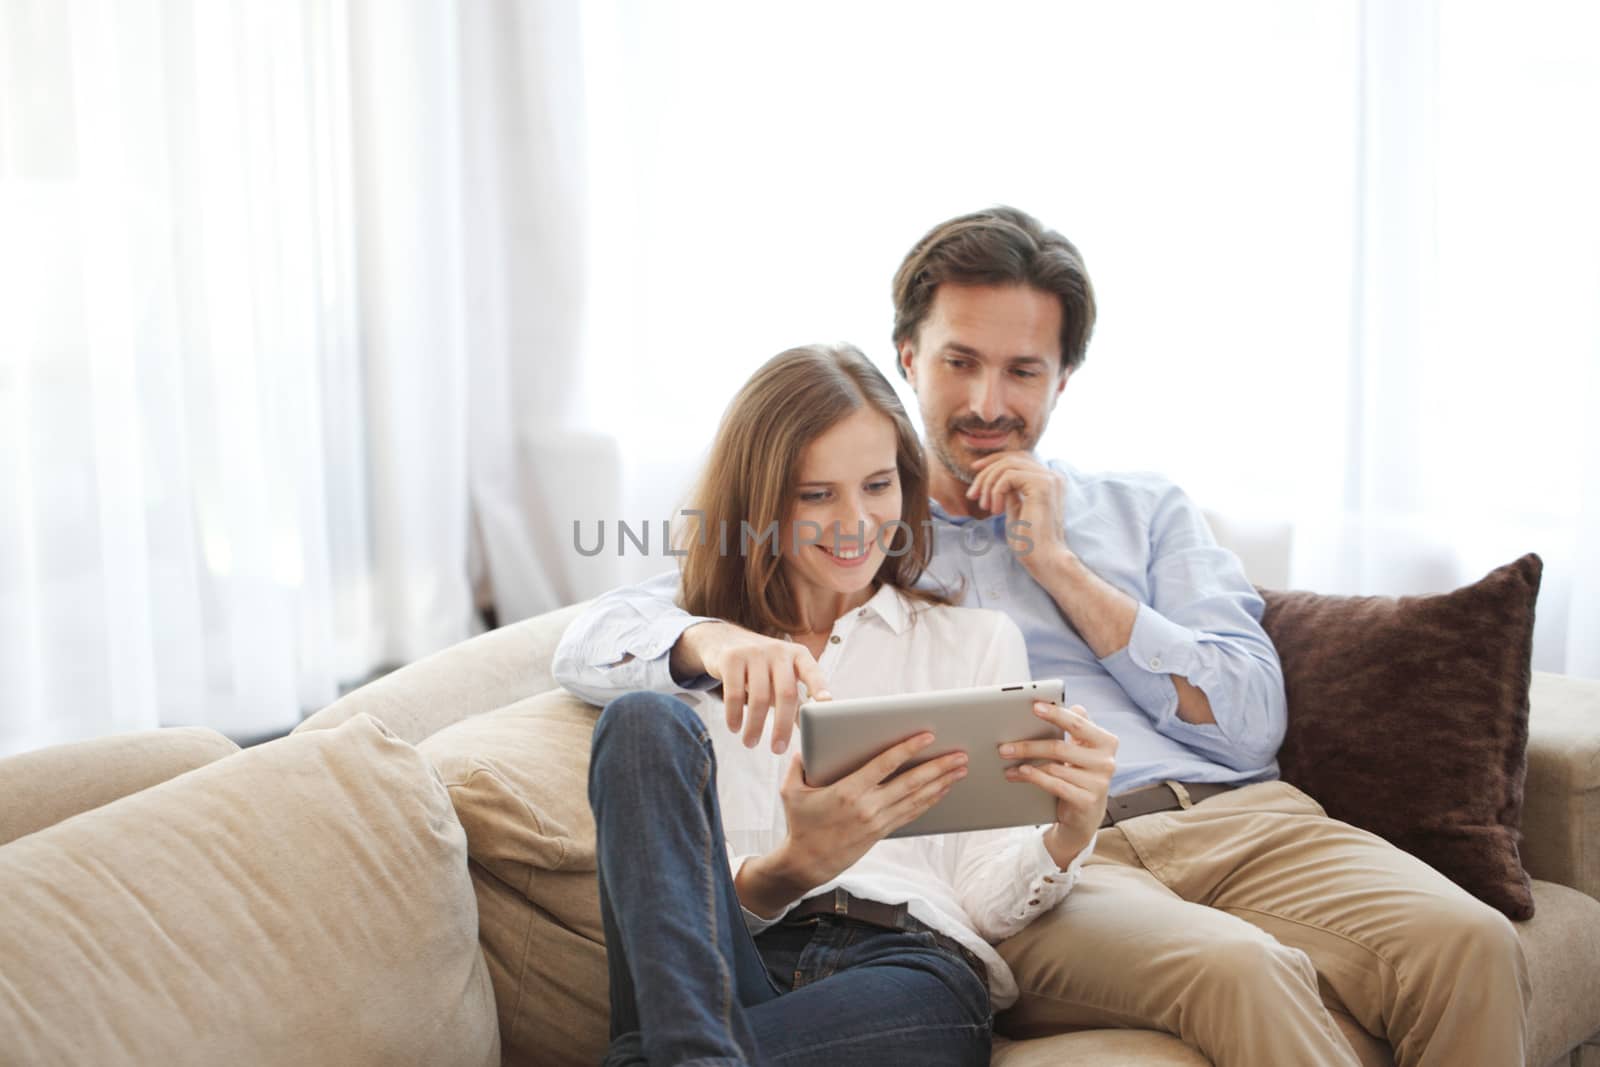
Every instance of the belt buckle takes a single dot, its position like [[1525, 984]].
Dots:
[[841, 902]]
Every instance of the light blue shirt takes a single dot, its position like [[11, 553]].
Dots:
[[1199, 618]]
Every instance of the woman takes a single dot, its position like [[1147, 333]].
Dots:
[[749, 916]]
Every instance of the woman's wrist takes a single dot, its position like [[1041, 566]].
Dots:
[[1064, 845], [766, 884]]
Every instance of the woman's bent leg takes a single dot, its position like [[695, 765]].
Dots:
[[683, 967], [864, 997]]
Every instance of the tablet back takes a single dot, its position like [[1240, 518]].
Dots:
[[838, 737]]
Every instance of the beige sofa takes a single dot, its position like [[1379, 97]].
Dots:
[[478, 724]]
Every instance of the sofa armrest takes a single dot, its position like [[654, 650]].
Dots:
[[489, 671], [43, 787], [1561, 802]]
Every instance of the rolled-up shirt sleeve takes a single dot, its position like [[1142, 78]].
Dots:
[[623, 643], [1203, 624], [1007, 878]]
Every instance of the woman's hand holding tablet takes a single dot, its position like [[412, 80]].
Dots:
[[1075, 770], [839, 736], [832, 826]]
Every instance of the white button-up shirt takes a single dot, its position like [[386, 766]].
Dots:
[[977, 887]]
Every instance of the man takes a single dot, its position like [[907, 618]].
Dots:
[[1220, 904]]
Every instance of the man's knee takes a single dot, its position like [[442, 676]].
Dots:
[[1252, 964], [1466, 935], [644, 727]]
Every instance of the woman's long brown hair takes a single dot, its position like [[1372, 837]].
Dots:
[[729, 572]]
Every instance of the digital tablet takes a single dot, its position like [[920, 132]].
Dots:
[[838, 737]]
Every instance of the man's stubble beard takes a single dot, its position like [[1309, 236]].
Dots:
[[941, 450], [944, 450]]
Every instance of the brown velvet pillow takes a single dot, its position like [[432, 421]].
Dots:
[[1408, 717]]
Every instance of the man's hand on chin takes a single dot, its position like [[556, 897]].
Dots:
[[1032, 496], [1029, 492]]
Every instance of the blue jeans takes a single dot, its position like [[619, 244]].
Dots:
[[689, 985]]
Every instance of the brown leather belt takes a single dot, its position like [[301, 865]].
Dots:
[[842, 905], [1162, 796]]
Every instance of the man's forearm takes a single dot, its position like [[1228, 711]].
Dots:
[[1101, 613], [1103, 616], [685, 661]]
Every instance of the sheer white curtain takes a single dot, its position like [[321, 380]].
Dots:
[[320, 317], [185, 532], [275, 320], [759, 173], [1345, 252], [1476, 315]]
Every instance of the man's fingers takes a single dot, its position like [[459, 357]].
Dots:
[[979, 478], [811, 675], [733, 702], [757, 702], [997, 491], [804, 669], [983, 481], [783, 728], [1002, 482], [979, 471], [987, 469], [785, 703]]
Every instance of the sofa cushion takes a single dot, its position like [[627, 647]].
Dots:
[[1111, 1048], [1562, 943], [1561, 802], [302, 902], [1409, 717], [489, 671], [50, 784], [519, 780]]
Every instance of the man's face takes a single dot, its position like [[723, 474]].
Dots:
[[986, 366]]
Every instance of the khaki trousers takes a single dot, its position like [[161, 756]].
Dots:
[[1237, 924]]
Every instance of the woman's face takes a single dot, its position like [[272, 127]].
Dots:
[[847, 490]]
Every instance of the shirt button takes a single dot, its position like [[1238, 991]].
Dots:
[[1049, 879], [834, 640], [1155, 663], [1034, 901], [861, 614]]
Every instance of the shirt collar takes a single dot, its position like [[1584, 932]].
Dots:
[[890, 606], [942, 515]]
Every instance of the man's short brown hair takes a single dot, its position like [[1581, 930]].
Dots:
[[998, 246]]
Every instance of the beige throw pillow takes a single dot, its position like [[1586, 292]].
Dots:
[[47, 785], [302, 902], [519, 780]]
